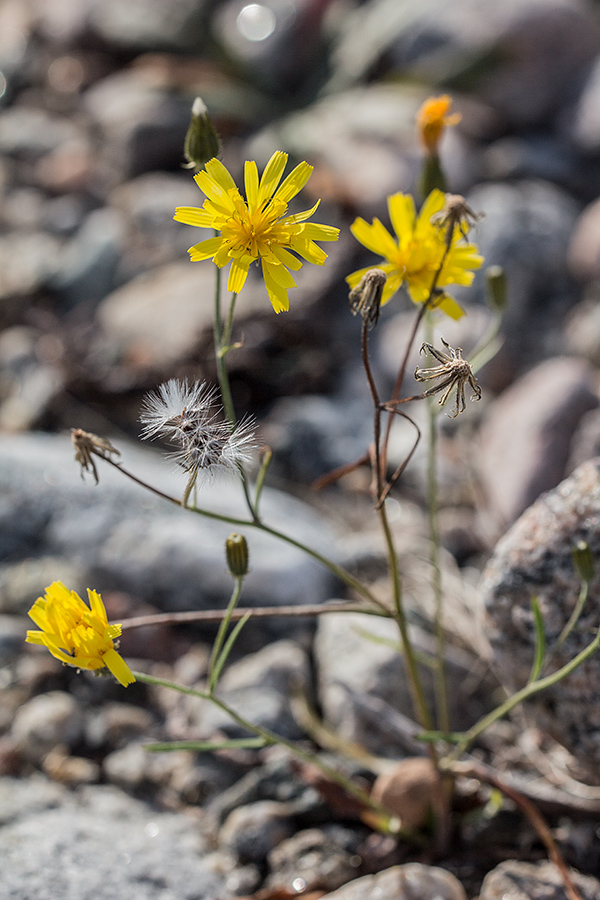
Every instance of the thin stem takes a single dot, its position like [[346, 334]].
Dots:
[[529, 690], [271, 738], [364, 346], [222, 336], [258, 612], [483, 773], [346, 577], [422, 713], [574, 617], [441, 694], [216, 650]]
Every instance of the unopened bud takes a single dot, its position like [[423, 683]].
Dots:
[[497, 295], [583, 560], [365, 298], [201, 141], [236, 549]]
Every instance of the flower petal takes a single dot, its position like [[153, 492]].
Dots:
[[271, 176], [294, 183], [251, 184], [205, 249], [237, 275], [119, 668], [192, 215]]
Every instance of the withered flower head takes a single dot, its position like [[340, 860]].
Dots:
[[86, 446], [365, 298], [454, 371], [456, 213]]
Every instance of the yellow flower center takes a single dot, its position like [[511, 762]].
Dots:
[[252, 233]]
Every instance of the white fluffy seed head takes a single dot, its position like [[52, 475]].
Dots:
[[204, 443]]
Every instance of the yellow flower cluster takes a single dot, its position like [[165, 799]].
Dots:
[[77, 634], [432, 118], [258, 228], [414, 256]]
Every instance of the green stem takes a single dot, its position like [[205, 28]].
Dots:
[[529, 690], [488, 345], [271, 738], [441, 693], [216, 650], [333, 567], [421, 709]]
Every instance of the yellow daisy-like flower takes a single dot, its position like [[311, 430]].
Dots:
[[432, 118], [77, 634], [257, 228], [414, 256]]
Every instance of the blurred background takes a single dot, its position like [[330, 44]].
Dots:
[[98, 301]]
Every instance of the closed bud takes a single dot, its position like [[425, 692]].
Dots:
[[201, 141], [236, 548], [583, 560], [495, 278]]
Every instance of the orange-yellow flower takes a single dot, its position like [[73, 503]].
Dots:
[[257, 228], [432, 118], [77, 634], [414, 256]]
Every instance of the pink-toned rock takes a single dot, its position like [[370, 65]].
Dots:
[[527, 433], [534, 559]]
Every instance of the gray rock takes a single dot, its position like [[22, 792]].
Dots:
[[136, 770], [89, 264], [413, 881], [12, 635], [315, 859], [362, 684], [585, 127], [526, 230], [28, 261], [46, 721], [31, 132], [517, 880], [534, 559], [175, 25], [541, 412], [97, 844], [143, 125], [116, 724], [126, 539], [251, 832]]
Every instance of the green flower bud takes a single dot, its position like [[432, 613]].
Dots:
[[583, 560], [497, 297], [236, 549], [201, 141]]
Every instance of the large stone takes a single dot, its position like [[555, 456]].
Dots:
[[525, 440], [98, 844], [126, 539], [534, 559], [518, 880]]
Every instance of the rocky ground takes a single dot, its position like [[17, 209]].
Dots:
[[99, 304]]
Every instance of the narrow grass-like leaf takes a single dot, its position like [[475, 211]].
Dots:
[[220, 662], [252, 743], [216, 650], [540, 641]]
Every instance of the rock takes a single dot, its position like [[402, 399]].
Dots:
[[30, 133], [412, 881], [60, 766], [411, 790], [98, 844], [150, 24], [534, 559], [122, 538], [89, 264], [12, 635], [315, 859], [22, 582], [526, 230], [584, 247], [143, 125], [116, 724], [139, 771], [46, 721], [584, 129], [29, 261], [541, 412], [362, 684], [251, 832], [517, 880]]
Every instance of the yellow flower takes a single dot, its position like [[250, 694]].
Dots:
[[414, 256], [432, 118], [76, 634], [257, 228]]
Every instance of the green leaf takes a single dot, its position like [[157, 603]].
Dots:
[[253, 743], [540, 641]]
